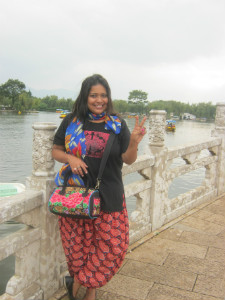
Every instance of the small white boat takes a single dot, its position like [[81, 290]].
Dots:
[[9, 189]]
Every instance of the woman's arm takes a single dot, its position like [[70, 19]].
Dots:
[[136, 136], [77, 165]]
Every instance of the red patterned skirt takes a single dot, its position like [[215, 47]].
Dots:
[[95, 249]]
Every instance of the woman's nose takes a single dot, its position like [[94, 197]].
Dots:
[[99, 97]]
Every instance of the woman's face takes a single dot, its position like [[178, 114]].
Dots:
[[97, 99]]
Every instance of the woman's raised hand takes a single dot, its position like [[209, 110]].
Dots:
[[139, 131], [77, 165]]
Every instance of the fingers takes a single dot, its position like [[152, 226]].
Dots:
[[143, 130], [141, 123], [80, 169], [78, 166], [136, 121]]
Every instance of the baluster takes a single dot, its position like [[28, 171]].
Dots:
[[219, 131]]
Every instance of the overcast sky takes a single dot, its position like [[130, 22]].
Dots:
[[171, 49]]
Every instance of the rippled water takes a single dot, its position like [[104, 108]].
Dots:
[[16, 141]]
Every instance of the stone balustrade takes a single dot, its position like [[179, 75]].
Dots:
[[40, 262], [140, 220]]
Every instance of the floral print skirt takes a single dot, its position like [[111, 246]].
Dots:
[[95, 249]]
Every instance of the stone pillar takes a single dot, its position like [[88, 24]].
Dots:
[[43, 179], [219, 131], [43, 163], [157, 123], [159, 191]]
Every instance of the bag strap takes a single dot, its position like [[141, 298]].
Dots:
[[104, 158], [101, 168]]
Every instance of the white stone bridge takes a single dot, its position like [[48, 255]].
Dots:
[[40, 262]]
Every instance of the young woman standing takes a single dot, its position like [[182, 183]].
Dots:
[[95, 249]]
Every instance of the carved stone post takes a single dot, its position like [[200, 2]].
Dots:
[[219, 131], [43, 163], [43, 179], [157, 123], [159, 192]]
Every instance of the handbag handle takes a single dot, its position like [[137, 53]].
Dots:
[[67, 175]]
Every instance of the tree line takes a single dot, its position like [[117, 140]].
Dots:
[[13, 95], [200, 110]]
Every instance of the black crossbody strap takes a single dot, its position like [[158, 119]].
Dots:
[[101, 168], [104, 158]]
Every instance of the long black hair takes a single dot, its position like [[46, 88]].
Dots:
[[80, 107]]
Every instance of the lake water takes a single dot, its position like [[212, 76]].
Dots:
[[16, 140], [16, 148], [16, 135]]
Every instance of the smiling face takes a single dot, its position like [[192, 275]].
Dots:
[[97, 99]]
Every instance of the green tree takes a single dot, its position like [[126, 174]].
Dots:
[[12, 89], [43, 106], [5, 101], [200, 110], [35, 103], [25, 101], [137, 96], [120, 106], [51, 102], [70, 104]]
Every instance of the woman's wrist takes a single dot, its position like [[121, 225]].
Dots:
[[68, 158], [133, 144]]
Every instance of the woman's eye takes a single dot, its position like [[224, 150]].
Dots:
[[96, 95]]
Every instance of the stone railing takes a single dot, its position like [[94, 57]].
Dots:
[[140, 219], [39, 257], [191, 156], [24, 244], [40, 262]]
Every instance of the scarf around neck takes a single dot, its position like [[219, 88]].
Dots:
[[75, 144]]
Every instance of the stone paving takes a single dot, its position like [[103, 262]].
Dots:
[[185, 259]]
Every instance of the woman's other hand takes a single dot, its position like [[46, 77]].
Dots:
[[78, 166]]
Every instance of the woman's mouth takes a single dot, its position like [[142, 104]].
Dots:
[[99, 106]]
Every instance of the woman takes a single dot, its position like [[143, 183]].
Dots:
[[95, 249]]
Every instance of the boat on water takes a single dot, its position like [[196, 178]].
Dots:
[[132, 115], [9, 189], [170, 125], [59, 110], [64, 113]]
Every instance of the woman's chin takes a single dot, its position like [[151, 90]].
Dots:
[[98, 111]]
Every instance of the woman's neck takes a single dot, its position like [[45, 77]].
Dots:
[[96, 118], [96, 121]]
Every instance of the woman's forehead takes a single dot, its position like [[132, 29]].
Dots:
[[98, 88]]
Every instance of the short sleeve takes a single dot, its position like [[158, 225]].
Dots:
[[59, 138], [124, 136]]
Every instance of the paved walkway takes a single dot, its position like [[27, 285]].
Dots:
[[184, 259]]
